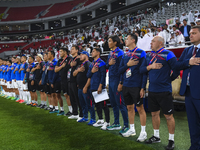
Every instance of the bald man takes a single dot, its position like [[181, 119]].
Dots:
[[159, 63]]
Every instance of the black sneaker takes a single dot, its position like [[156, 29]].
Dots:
[[42, 107], [170, 145], [48, 108], [54, 111], [153, 139], [38, 106], [68, 114]]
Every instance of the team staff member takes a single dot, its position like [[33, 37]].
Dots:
[[189, 62], [29, 77], [50, 75], [84, 99], [63, 66], [159, 64], [37, 70], [73, 90], [96, 79], [133, 85], [18, 77], [44, 81], [116, 98]]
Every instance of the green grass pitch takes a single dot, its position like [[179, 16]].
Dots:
[[26, 128]]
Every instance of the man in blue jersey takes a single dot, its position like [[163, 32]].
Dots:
[[96, 80], [5, 78], [133, 85], [1, 66], [8, 78], [24, 85], [159, 64], [13, 79], [18, 76], [116, 98]]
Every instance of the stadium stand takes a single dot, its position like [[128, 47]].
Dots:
[[24, 13]]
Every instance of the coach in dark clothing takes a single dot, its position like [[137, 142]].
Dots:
[[185, 30], [189, 62]]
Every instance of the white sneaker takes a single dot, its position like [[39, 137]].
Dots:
[[79, 118], [142, 137], [99, 123], [105, 125], [73, 117], [129, 133]]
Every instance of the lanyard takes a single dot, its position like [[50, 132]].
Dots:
[[156, 55], [133, 54], [63, 60], [113, 53], [83, 63], [96, 62]]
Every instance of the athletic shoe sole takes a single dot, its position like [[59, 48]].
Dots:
[[116, 128]]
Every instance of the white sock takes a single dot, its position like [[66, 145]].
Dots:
[[56, 107], [171, 137], [45, 102], [156, 133], [14, 95], [33, 101], [51, 106], [20, 94], [25, 96], [42, 102], [132, 127], [143, 128], [36, 102], [61, 108], [29, 96], [70, 109]]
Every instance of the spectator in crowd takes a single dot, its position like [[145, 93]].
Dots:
[[185, 30]]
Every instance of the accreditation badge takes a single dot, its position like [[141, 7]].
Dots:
[[128, 73], [69, 73]]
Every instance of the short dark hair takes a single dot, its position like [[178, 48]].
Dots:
[[98, 49], [9, 61], [65, 49], [196, 27], [134, 36], [185, 20], [32, 57], [24, 57], [76, 47], [192, 23], [115, 38], [14, 57], [174, 26], [52, 53]]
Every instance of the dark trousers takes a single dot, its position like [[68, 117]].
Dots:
[[102, 105], [187, 39], [117, 103], [73, 93], [193, 115], [86, 104]]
